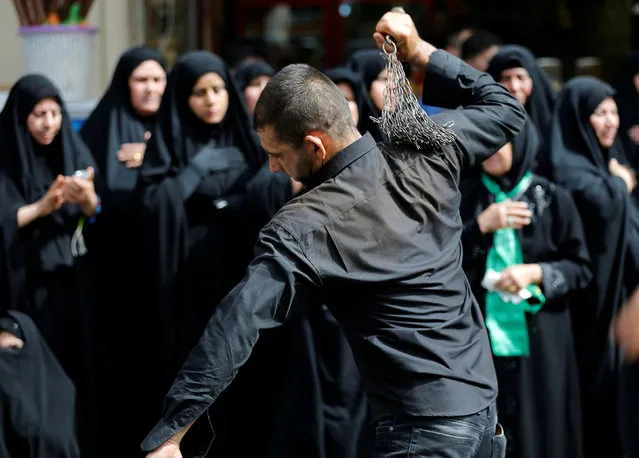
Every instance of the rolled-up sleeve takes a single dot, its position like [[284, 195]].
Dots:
[[489, 116]]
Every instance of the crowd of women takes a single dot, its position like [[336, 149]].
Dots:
[[119, 240]]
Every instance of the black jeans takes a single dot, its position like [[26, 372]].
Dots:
[[472, 436]]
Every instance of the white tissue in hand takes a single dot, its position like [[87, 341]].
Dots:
[[491, 277]]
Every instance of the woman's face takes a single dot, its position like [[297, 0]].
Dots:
[[45, 120], [499, 163], [209, 99], [254, 90], [377, 90], [518, 82], [147, 84], [348, 92], [605, 122]]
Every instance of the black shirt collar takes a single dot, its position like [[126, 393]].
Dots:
[[341, 160]]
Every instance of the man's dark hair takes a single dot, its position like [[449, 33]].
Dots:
[[300, 99], [477, 43]]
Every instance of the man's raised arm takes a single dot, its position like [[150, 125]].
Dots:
[[489, 116]]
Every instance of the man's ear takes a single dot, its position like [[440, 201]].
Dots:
[[316, 144]]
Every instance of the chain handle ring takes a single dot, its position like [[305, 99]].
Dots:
[[389, 41]]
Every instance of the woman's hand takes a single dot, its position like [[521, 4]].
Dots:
[[81, 192], [633, 132], [132, 154], [9, 340], [512, 214], [626, 328], [516, 278], [53, 199], [623, 172]]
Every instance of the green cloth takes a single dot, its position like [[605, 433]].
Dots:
[[74, 17], [506, 321]]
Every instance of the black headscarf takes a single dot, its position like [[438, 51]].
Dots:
[[367, 63], [179, 134], [29, 168], [542, 98], [525, 148], [248, 71], [22, 154], [37, 399], [365, 105], [114, 121], [574, 143], [627, 98]]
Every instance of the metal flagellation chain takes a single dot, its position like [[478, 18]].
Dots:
[[403, 120]]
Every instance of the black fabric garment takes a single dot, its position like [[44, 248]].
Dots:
[[117, 259], [332, 413], [365, 105], [187, 166], [114, 121], [525, 149], [37, 260], [328, 418], [37, 399], [627, 98], [39, 274], [368, 64], [377, 239], [248, 71], [580, 164], [206, 194], [538, 400], [9, 324], [541, 101]]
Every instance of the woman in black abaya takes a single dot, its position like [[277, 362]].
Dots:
[[204, 187], [37, 399], [371, 67], [116, 132], [125, 115], [586, 158], [517, 69], [359, 101], [251, 78], [42, 205], [527, 230], [627, 97]]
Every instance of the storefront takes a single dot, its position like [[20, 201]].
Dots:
[[328, 31]]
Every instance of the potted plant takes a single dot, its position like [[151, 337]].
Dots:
[[58, 42]]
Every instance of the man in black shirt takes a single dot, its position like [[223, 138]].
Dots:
[[375, 237]]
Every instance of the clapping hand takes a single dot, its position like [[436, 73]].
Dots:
[[53, 199]]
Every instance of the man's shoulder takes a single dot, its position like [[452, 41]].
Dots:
[[298, 217]]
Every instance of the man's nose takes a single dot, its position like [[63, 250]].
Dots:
[[274, 165]]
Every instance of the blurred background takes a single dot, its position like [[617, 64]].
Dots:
[[569, 36]]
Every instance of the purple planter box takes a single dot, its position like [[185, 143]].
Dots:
[[46, 28]]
